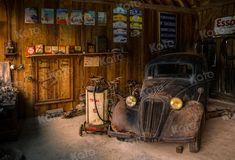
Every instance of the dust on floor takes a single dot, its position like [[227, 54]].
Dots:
[[58, 139]]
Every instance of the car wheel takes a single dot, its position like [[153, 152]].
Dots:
[[81, 130], [194, 147]]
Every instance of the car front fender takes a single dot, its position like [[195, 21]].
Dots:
[[124, 119], [183, 125]]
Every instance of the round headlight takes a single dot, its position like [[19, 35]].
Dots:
[[131, 101], [176, 103]]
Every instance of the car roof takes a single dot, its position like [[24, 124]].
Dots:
[[179, 57]]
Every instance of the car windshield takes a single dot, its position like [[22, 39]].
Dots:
[[170, 70]]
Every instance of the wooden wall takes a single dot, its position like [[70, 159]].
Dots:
[[130, 66], [205, 26]]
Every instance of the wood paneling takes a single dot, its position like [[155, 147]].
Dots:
[[206, 20], [128, 66]]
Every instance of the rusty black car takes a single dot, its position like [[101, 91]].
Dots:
[[170, 105]]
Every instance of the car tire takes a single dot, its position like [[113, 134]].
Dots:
[[195, 146], [81, 129]]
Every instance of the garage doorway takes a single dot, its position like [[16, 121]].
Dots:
[[227, 78]]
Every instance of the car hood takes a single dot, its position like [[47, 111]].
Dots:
[[173, 87]]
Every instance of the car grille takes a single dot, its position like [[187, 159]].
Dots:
[[153, 113]]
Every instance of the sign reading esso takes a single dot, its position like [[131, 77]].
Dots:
[[225, 25]]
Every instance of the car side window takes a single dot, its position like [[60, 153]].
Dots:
[[152, 71]]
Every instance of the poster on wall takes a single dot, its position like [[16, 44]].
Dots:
[[31, 15], [47, 16], [102, 18], [76, 17], [168, 28], [62, 16], [224, 25], [89, 18]]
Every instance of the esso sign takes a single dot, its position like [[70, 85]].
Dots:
[[225, 25]]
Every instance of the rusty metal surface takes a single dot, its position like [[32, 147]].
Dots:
[[183, 123], [152, 119], [153, 114], [124, 119]]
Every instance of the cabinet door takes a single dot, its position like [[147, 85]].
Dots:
[[54, 80]]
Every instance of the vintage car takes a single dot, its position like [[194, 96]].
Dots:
[[171, 104]]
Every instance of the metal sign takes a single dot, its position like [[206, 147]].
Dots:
[[168, 28], [224, 25]]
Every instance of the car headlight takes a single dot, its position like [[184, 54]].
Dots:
[[131, 101], [176, 103]]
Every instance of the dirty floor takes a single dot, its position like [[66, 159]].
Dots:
[[58, 139]]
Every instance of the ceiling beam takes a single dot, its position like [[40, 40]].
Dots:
[[215, 5], [158, 7]]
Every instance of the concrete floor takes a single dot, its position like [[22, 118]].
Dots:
[[58, 139]]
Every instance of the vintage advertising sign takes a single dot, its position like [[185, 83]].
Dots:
[[30, 51], [224, 25], [136, 26], [119, 10], [120, 39], [62, 16], [89, 18], [120, 31], [119, 17], [102, 18], [76, 17], [31, 15], [136, 12], [91, 61], [48, 49], [119, 24], [168, 30], [47, 16], [39, 49]]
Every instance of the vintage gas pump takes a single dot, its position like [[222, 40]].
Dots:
[[97, 112]]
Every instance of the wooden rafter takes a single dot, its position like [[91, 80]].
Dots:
[[150, 5], [179, 2], [157, 1], [167, 2]]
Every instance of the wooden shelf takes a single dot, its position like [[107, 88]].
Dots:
[[75, 54]]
